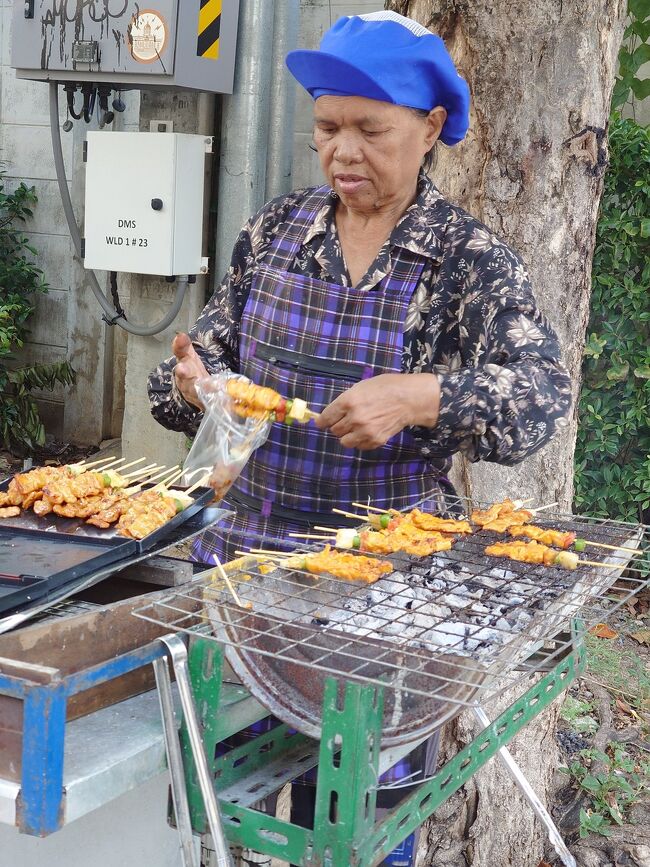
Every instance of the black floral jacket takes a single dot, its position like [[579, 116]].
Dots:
[[472, 320]]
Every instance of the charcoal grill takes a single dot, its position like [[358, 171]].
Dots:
[[438, 634], [361, 666]]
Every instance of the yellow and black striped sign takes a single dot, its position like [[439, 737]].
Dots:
[[207, 44]]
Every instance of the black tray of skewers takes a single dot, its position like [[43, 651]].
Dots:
[[41, 552]]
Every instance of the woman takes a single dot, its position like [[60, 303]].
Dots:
[[407, 323]]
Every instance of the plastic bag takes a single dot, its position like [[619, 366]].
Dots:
[[225, 441]]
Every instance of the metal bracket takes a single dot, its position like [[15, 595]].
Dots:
[[178, 655]]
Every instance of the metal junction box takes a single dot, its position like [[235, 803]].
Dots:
[[144, 202], [186, 44]]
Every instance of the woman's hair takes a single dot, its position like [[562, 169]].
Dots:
[[431, 157]]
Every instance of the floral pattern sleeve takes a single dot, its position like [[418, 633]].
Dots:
[[505, 392]]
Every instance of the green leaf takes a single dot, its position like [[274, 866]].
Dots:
[[641, 88], [639, 9]]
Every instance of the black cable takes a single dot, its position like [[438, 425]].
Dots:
[[89, 92], [121, 312], [70, 90]]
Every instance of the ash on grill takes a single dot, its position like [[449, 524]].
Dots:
[[443, 607]]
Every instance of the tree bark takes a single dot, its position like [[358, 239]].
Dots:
[[541, 76], [531, 167]]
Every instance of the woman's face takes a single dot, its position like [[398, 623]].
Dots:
[[371, 151]]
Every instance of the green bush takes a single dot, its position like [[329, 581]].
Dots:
[[20, 279], [613, 447]]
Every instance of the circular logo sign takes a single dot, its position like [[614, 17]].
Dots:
[[147, 35]]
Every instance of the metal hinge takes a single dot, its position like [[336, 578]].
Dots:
[[85, 152], [83, 248]]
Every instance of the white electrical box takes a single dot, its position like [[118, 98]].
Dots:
[[144, 202]]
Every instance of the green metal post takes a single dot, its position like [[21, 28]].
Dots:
[[347, 772], [205, 663]]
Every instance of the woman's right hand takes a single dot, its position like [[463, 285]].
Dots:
[[188, 369]]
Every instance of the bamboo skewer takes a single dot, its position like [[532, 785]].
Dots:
[[541, 508], [132, 464], [386, 511], [198, 484], [268, 551], [350, 514], [87, 466], [633, 552], [163, 471], [114, 462], [142, 473], [172, 477], [309, 536], [223, 574], [137, 488], [265, 557]]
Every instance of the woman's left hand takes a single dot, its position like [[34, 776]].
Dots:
[[372, 411]]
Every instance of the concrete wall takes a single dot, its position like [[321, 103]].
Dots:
[[67, 322], [26, 154]]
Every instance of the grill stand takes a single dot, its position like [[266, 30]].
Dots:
[[348, 757]]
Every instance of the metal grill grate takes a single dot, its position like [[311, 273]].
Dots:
[[440, 632]]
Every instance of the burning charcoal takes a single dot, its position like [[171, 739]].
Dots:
[[479, 608], [435, 584], [455, 601], [449, 634], [523, 619], [490, 636]]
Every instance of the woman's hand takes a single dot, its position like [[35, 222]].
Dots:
[[367, 415], [188, 369]]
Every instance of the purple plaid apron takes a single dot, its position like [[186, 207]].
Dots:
[[305, 337]]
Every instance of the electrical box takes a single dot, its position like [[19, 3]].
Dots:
[[187, 44], [144, 202]]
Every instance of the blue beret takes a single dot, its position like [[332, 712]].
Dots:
[[388, 57]]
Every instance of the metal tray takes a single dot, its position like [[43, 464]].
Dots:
[[38, 555], [16, 590], [31, 605], [66, 527], [40, 561]]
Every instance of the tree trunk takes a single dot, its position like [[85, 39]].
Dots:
[[541, 76]]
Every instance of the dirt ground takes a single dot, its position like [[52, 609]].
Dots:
[[602, 799]]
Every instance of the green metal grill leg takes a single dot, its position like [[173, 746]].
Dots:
[[205, 664], [348, 770]]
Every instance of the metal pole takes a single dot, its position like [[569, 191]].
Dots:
[[529, 793], [175, 762], [279, 159], [178, 654], [245, 129]]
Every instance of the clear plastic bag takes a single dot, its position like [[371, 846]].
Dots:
[[225, 440]]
